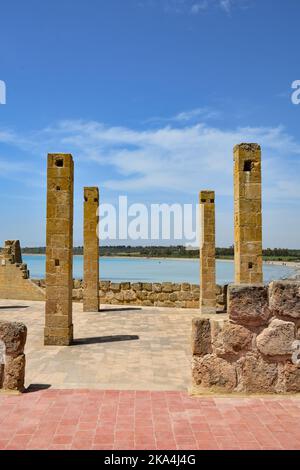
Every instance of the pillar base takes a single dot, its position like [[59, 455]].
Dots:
[[58, 336]]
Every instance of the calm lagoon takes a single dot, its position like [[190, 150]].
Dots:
[[153, 270]]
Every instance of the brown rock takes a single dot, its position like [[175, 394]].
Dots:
[[213, 372], [147, 286], [201, 336], [115, 286], [248, 304], [173, 297], [14, 373], [104, 285], [14, 336], [277, 339], [185, 286], [292, 378], [167, 287], [229, 338], [136, 286], [156, 287], [129, 295], [257, 375], [125, 285], [285, 298]]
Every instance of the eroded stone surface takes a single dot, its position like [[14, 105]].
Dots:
[[213, 372], [207, 253], [248, 304], [291, 377], [14, 373], [285, 298], [201, 336], [256, 374], [247, 213], [14, 335], [230, 338], [277, 339]]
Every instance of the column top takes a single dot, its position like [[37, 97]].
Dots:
[[207, 196], [60, 160]]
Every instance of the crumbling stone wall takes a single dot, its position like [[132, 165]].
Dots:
[[256, 347], [15, 280], [166, 294], [12, 358]]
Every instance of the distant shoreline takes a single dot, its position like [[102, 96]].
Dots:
[[289, 264]]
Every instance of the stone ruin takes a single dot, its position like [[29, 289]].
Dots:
[[15, 280], [253, 349], [12, 358]]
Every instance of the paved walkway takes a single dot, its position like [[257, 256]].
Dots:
[[117, 348], [96, 419]]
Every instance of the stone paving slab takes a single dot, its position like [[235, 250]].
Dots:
[[122, 348], [97, 419]]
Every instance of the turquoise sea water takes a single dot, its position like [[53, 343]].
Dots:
[[152, 270]]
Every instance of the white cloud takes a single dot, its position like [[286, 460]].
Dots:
[[195, 7], [199, 6], [170, 158]]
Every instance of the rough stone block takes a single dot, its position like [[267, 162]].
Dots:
[[285, 298], [14, 336], [248, 304], [213, 372], [147, 286], [277, 339], [14, 373], [230, 339], [256, 374], [201, 336], [167, 287], [156, 287], [292, 378]]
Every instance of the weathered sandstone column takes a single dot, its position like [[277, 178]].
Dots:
[[59, 250], [207, 253], [247, 214], [91, 250]]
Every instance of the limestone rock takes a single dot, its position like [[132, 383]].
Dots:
[[167, 287], [277, 339], [14, 336], [213, 372], [292, 378], [248, 304], [229, 338], [256, 374], [285, 298], [14, 373], [201, 336]]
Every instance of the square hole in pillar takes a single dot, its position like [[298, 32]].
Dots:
[[250, 265], [57, 188], [59, 162], [248, 165], [57, 262], [203, 200]]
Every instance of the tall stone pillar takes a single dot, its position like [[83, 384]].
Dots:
[[59, 250], [247, 214], [91, 250], [207, 253]]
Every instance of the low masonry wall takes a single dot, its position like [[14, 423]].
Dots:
[[166, 294], [15, 282], [256, 347]]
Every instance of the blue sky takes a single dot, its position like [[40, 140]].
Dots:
[[149, 96]]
